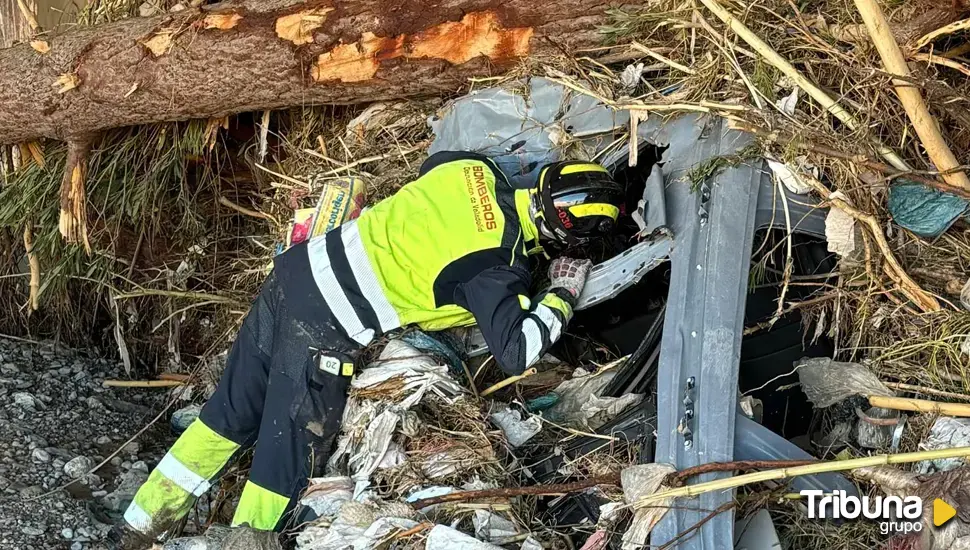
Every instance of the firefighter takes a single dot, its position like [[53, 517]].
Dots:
[[449, 249]]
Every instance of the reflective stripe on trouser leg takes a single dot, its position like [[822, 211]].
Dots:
[[182, 475], [260, 508], [281, 458]]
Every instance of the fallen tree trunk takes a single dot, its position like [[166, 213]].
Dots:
[[254, 55]]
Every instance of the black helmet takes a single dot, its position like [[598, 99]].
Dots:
[[579, 200]]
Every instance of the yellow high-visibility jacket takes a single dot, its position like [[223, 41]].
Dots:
[[448, 249]]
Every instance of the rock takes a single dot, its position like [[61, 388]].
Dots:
[[24, 400], [77, 546], [67, 533], [185, 416], [103, 440], [63, 454], [115, 461], [9, 369], [132, 448], [4, 483], [128, 485], [31, 492], [40, 456], [78, 466], [126, 465], [91, 480], [245, 538], [32, 531], [140, 465]]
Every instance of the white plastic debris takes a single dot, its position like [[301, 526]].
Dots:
[[610, 512], [579, 402], [827, 382], [491, 526], [788, 103], [630, 77], [393, 458], [638, 482], [379, 531], [443, 537], [789, 177], [418, 372], [946, 433], [376, 442], [429, 492], [600, 410], [525, 124], [842, 234], [531, 543], [327, 494], [516, 430], [439, 465]]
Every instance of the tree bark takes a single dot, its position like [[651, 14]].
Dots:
[[251, 55], [928, 17]]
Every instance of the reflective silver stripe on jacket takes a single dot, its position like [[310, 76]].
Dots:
[[181, 475], [334, 294], [533, 341], [551, 320], [366, 279]]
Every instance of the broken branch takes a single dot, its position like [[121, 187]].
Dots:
[[808, 469], [891, 172], [919, 114], [899, 386], [920, 405], [677, 479], [142, 383], [957, 26], [73, 222], [247, 211], [804, 83], [29, 16]]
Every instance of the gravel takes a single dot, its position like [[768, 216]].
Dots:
[[56, 423]]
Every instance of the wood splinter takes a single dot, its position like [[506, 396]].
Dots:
[[34, 301], [73, 222]]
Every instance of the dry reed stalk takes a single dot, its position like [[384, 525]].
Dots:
[[919, 114]]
